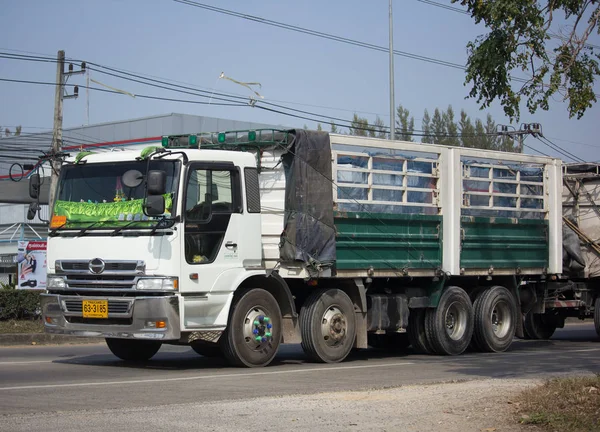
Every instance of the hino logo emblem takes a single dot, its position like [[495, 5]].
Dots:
[[96, 266]]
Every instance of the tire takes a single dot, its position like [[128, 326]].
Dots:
[[495, 319], [597, 316], [207, 349], [327, 325], [133, 350], [390, 342], [254, 315], [449, 327], [416, 332], [539, 326]]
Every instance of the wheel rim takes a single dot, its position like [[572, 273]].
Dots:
[[455, 321], [258, 328], [333, 326], [501, 319]]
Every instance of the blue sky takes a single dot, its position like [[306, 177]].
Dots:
[[181, 43]]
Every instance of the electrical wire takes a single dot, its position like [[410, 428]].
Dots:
[[116, 92], [465, 12]]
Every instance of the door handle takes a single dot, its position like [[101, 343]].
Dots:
[[231, 245]]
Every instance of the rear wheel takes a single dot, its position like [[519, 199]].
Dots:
[[449, 327], [133, 350], [539, 326], [416, 332], [495, 313], [327, 325], [254, 331]]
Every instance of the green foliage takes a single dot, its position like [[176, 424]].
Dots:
[[519, 41], [334, 128], [17, 304], [442, 128], [405, 124], [426, 125], [360, 126], [380, 128]]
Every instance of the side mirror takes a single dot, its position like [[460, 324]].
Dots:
[[32, 210], [157, 182], [133, 178], [155, 205], [34, 186]]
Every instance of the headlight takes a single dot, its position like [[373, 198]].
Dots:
[[158, 284], [55, 282]]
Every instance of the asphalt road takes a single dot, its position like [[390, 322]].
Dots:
[[45, 380]]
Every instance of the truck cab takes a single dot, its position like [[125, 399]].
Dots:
[[120, 272]]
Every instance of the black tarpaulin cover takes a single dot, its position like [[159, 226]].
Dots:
[[308, 231]]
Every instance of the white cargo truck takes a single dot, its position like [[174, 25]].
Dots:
[[235, 242]]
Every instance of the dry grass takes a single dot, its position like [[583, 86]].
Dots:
[[562, 404], [21, 326]]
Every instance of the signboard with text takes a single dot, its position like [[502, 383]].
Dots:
[[31, 260]]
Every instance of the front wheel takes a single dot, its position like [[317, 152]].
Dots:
[[495, 312], [133, 350], [449, 327], [327, 325], [254, 331]]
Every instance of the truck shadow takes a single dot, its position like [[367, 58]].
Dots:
[[523, 357]]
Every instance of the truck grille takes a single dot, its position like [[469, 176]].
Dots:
[[83, 266], [114, 306], [100, 282]]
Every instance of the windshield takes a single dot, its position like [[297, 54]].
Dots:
[[95, 193]]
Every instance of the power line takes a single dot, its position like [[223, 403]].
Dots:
[[444, 6], [559, 150], [320, 34], [464, 12], [116, 92]]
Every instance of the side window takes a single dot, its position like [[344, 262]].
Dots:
[[208, 192], [212, 195]]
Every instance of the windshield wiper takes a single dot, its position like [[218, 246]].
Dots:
[[85, 229], [54, 232], [118, 230]]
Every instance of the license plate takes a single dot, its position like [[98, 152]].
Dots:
[[95, 308]]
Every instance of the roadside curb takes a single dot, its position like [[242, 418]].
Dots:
[[44, 339]]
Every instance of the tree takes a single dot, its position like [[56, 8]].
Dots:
[[334, 128], [426, 126], [18, 130], [467, 131], [451, 127], [519, 40], [319, 127], [380, 128], [359, 126], [405, 124], [479, 138], [438, 127]]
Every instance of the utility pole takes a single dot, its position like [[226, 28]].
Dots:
[[59, 97], [392, 103], [534, 129], [57, 131]]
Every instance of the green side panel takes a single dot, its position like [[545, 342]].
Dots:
[[385, 241], [503, 243]]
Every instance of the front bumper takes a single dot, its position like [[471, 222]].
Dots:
[[128, 317]]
